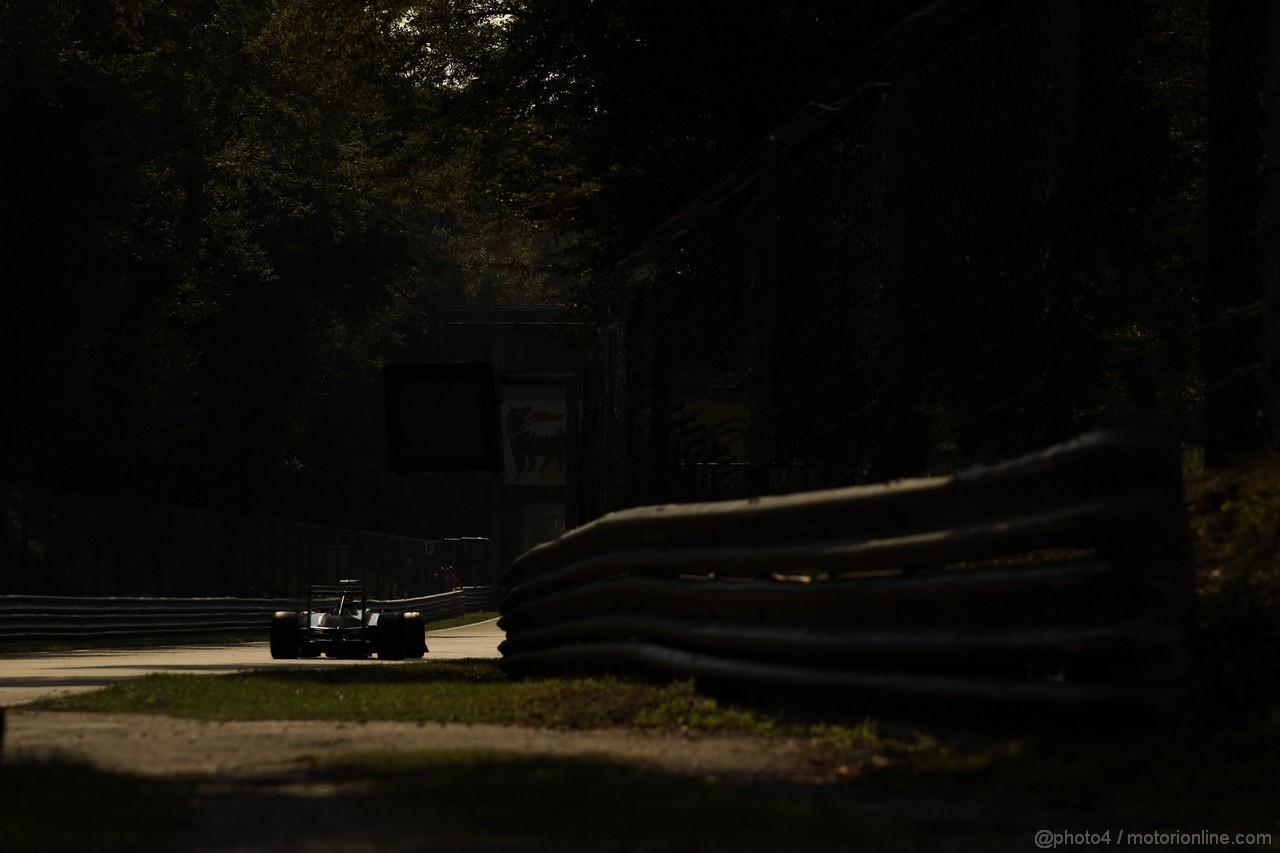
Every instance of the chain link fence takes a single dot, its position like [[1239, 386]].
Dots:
[[66, 544], [1013, 221]]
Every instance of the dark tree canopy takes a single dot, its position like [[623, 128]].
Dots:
[[224, 214], [221, 216], [645, 104]]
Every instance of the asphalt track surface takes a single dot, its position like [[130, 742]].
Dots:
[[27, 677]]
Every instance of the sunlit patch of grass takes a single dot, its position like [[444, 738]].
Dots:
[[467, 691], [856, 734], [65, 805], [461, 691], [464, 619]]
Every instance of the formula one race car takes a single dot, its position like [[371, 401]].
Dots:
[[337, 623]]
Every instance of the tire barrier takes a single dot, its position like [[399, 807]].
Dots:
[[40, 618], [1061, 579]]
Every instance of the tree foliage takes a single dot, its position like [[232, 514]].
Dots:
[[627, 110], [225, 213], [222, 214]]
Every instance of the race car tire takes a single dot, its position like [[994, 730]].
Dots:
[[390, 640], [415, 636], [286, 635]]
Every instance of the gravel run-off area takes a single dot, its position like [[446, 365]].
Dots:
[[253, 784]]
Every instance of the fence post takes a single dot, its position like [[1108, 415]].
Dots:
[[898, 452], [24, 512], [648, 380], [1060, 262], [1230, 341], [660, 332], [1271, 231], [760, 399]]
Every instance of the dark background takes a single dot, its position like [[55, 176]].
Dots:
[[798, 246], [220, 217]]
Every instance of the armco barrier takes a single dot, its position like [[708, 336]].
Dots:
[[1061, 579], [36, 619]]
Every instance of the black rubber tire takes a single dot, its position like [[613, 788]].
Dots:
[[415, 636], [390, 639], [286, 635]]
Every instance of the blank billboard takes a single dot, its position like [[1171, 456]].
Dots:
[[442, 417]]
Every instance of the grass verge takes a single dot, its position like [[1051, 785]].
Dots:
[[464, 619], [465, 691]]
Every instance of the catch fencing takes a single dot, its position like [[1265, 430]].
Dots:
[[68, 544], [1060, 580], [26, 619], [1011, 220]]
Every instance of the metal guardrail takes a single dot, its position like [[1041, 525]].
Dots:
[[1061, 579], [41, 618]]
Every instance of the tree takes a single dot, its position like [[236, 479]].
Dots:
[[233, 211], [632, 109]]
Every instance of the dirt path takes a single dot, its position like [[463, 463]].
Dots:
[[152, 745], [251, 787]]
